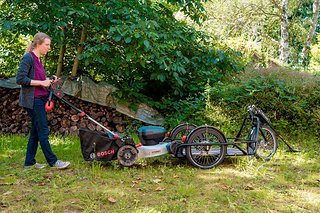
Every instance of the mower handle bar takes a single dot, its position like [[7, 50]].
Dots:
[[85, 114]]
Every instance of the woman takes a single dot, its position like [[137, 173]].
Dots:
[[33, 96]]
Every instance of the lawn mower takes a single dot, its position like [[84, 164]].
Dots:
[[105, 146]]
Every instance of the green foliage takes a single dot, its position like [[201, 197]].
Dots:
[[254, 25], [11, 45], [194, 9], [147, 54], [290, 98], [315, 57], [300, 21], [137, 46], [188, 110]]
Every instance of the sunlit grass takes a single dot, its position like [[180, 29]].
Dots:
[[290, 182]]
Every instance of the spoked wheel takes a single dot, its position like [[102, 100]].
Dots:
[[181, 130], [206, 156], [127, 155], [266, 145]]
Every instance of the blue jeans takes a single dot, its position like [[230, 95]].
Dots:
[[39, 132]]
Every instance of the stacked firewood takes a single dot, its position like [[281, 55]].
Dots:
[[62, 119]]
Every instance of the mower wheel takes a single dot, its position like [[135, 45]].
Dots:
[[127, 155]]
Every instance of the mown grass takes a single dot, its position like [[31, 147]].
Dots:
[[290, 182]]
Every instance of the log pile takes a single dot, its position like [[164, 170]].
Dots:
[[62, 119]]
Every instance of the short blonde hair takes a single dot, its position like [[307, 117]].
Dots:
[[37, 39]]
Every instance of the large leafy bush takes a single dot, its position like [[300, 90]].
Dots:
[[145, 50], [290, 98], [138, 46]]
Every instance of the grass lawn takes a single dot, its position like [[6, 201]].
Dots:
[[290, 182]]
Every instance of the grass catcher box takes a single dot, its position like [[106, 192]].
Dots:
[[98, 146]]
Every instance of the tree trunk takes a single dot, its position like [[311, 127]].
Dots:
[[61, 53], [284, 41], [80, 49], [306, 48]]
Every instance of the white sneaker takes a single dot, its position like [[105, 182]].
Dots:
[[36, 165], [61, 164]]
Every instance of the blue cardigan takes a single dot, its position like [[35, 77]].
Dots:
[[24, 76]]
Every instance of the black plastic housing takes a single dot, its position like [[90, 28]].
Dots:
[[151, 135]]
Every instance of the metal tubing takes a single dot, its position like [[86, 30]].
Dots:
[[96, 122], [91, 119]]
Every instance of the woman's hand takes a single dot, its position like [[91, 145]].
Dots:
[[44, 83]]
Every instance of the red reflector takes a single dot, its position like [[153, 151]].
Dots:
[[138, 145], [116, 136], [83, 114], [183, 138], [168, 134]]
